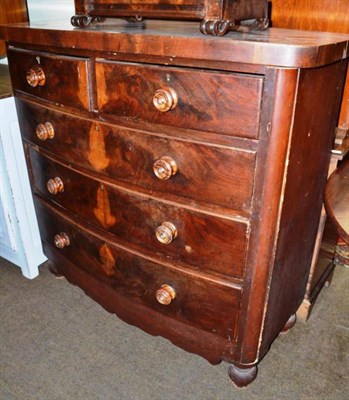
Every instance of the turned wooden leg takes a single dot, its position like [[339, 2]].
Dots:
[[242, 377], [289, 324], [52, 268]]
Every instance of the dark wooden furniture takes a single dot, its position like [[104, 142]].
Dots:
[[178, 178], [12, 11], [217, 16], [333, 16], [336, 199]]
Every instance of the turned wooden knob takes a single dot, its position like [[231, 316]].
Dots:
[[165, 99], [165, 295], [165, 167], [166, 232], [61, 240], [45, 131], [36, 77], [55, 185]]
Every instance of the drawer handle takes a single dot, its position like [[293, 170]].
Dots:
[[165, 99], [61, 240], [165, 295], [55, 185], [45, 131], [165, 167], [36, 77], [166, 232]]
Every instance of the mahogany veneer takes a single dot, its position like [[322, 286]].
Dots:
[[217, 16], [330, 16], [178, 178]]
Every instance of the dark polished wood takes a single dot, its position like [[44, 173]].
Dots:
[[134, 219], [179, 43], [218, 16], [242, 377], [314, 15], [12, 11], [139, 278], [127, 90], [60, 79], [289, 324], [93, 147], [333, 16], [180, 187], [309, 143]]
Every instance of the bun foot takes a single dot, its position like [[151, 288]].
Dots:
[[289, 324], [52, 268], [242, 377]]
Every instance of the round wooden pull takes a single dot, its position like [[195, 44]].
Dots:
[[61, 240], [165, 295], [55, 185], [166, 232], [36, 77], [165, 167], [45, 131], [165, 99]]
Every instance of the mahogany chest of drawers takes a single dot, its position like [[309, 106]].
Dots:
[[178, 178]]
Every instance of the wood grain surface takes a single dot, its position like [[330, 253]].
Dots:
[[258, 134], [205, 242], [206, 174], [127, 90], [313, 15], [172, 42], [12, 11], [66, 78], [199, 303]]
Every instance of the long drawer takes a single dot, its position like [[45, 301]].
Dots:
[[206, 304], [208, 174], [217, 102], [56, 78], [206, 242]]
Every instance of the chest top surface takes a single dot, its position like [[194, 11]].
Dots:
[[181, 40]]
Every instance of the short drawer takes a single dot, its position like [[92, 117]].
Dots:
[[204, 173], [203, 241], [206, 304], [218, 102], [56, 78]]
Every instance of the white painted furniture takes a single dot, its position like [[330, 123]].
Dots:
[[43, 10], [19, 236]]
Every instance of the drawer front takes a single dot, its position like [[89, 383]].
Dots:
[[215, 102], [207, 174], [206, 242], [201, 303], [58, 79]]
